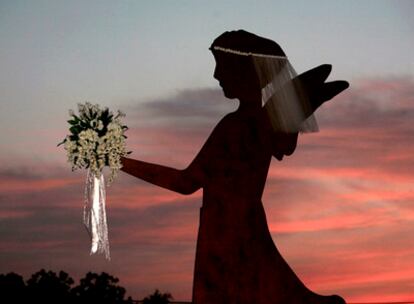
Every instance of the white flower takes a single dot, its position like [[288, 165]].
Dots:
[[89, 135], [111, 126], [94, 123], [101, 163], [100, 125]]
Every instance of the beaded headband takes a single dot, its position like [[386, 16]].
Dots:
[[219, 48]]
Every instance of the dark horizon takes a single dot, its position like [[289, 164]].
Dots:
[[118, 284]]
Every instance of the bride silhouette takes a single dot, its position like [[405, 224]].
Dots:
[[236, 258]]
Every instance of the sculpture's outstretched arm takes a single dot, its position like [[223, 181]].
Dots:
[[185, 181], [181, 181]]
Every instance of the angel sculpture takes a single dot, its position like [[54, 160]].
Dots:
[[236, 258]]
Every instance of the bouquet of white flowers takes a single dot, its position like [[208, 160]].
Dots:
[[97, 140]]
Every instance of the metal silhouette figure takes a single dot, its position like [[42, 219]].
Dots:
[[236, 258]]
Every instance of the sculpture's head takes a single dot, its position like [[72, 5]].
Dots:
[[236, 73]]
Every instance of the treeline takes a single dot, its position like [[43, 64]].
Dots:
[[47, 287]]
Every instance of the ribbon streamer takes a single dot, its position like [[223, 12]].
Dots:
[[94, 214]]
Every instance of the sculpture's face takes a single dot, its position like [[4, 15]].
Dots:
[[236, 75]]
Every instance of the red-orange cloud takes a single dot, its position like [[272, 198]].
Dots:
[[340, 209]]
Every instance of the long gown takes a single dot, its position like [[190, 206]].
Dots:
[[236, 258]]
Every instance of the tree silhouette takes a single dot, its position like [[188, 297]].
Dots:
[[158, 298], [101, 289], [12, 288], [47, 287]]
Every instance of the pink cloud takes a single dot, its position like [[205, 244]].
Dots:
[[10, 185], [340, 209], [7, 214]]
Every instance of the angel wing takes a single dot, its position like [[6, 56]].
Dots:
[[317, 91]]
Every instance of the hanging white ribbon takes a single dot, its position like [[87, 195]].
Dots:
[[94, 213]]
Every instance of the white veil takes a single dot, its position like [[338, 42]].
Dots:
[[283, 97]]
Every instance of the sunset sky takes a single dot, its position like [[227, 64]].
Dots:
[[340, 209]]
